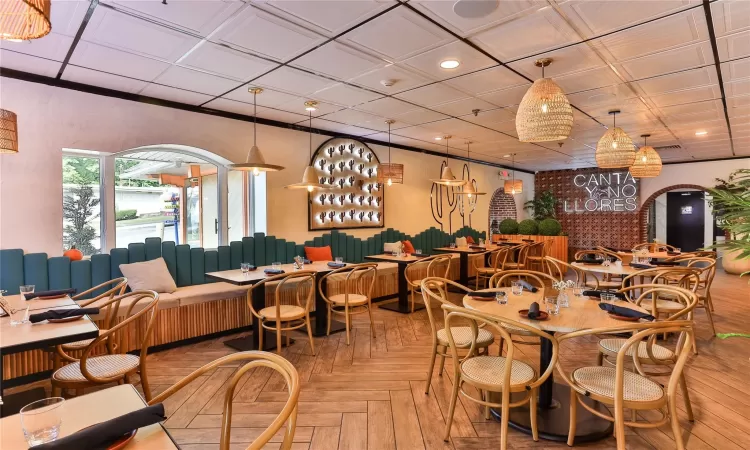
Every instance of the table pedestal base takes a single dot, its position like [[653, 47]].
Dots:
[[400, 308], [553, 423], [336, 327], [249, 343]]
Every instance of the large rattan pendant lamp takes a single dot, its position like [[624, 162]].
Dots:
[[8, 132], [255, 162], [545, 113], [469, 190], [390, 173], [310, 177], [446, 177], [513, 186], [615, 149], [21, 20], [647, 162]]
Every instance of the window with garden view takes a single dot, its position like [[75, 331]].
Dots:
[[81, 204]]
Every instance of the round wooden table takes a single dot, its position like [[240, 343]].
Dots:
[[624, 269], [553, 417]]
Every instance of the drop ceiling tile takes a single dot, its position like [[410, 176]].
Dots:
[[30, 64], [197, 17], [491, 118], [298, 107], [225, 62], [734, 46], [506, 97], [53, 46], [730, 16], [464, 106], [340, 128], [589, 79], [739, 106], [428, 63], [115, 29], [339, 61], [456, 127], [569, 60], [737, 88], [442, 11], [102, 79], [433, 94], [688, 79], [250, 31], [401, 77], [688, 57], [735, 70], [351, 117], [686, 96], [269, 97], [417, 117], [281, 116], [386, 107], [326, 16], [117, 62], [694, 113], [343, 94], [192, 80], [174, 94], [421, 133], [487, 80], [535, 33], [398, 34], [294, 81], [66, 16]]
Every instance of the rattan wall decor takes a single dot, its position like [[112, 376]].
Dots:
[[356, 199]]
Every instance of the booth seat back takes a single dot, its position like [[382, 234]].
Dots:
[[188, 266]]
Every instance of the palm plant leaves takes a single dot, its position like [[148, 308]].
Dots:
[[731, 201]]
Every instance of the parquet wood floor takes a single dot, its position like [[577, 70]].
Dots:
[[370, 395]]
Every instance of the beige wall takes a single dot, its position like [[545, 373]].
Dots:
[[702, 174], [51, 119]]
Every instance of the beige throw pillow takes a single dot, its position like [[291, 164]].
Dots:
[[390, 247], [461, 242], [150, 275]]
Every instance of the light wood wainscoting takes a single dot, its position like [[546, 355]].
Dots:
[[559, 249]]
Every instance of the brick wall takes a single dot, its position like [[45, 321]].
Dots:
[[620, 230], [502, 206]]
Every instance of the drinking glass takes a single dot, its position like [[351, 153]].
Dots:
[[41, 420], [516, 288], [244, 267], [418, 251], [501, 297], [26, 289], [276, 266], [340, 260], [578, 289], [678, 250], [19, 313], [481, 242], [553, 308], [452, 245], [608, 297]]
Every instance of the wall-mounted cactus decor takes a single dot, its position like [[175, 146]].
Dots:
[[356, 199], [444, 202]]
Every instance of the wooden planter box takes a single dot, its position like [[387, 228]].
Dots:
[[559, 249]]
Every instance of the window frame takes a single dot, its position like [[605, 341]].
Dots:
[[99, 157]]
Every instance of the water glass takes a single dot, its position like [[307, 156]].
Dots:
[[340, 259], [553, 308], [19, 312], [244, 267], [418, 251], [481, 242], [501, 297], [26, 289], [678, 250], [516, 287], [276, 265], [607, 297], [452, 245], [578, 290], [41, 420]]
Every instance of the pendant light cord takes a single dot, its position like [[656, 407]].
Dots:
[[389, 143], [309, 152]]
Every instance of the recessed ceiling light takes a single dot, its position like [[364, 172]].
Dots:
[[439, 138], [474, 9], [701, 133], [506, 156], [449, 64]]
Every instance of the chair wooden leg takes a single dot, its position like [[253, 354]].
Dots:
[[532, 412], [348, 324], [442, 364], [309, 334], [600, 359], [287, 336], [710, 300], [278, 337], [412, 300], [452, 407], [261, 332], [686, 396], [674, 421], [486, 398], [430, 368], [145, 383], [56, 391], [328, 331], [573, 412], [710, 318], [372, 322], [619, 428], [504, 417]]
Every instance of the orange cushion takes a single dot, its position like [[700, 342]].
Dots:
[[408, 248], [319, 253], [470, 240]]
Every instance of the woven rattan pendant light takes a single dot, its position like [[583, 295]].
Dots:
[[390, 173], [513, 186], [255, 162], [469, 190], [647, 162], [545, 113], [446, 177], [21, 20], [8, 132], [615, 149], [310, 177]]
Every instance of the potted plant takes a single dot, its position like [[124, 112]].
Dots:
[[543, 206], [731, 201]]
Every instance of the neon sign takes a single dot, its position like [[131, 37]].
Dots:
[[607, 192]]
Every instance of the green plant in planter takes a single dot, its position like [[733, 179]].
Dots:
[[509, 226], [731, 201], [550, 227], [528, 226], [494, 227], [543, 205]]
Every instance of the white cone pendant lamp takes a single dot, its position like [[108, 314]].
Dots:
[[390, 173], [310, 179], [615, 149], [545, 113], [255, 162], [469, 190], [446, 177], [647, 162], [513, 186]]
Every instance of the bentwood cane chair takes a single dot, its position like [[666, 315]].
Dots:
[[487, 374], [97, 370], [281, 317], [432, 266], [536, 254], [249, 361], [619, 388], [497, 259], [559, 270], [436, 289], [608, 281], [356, 297]]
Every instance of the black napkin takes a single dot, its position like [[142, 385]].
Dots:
[[641, 266], [476, 247], [533, 310], [336, 265], [103, 434], [664, 263], [670, 253], [527, 286], [625, 312], [306, 261], [273, 271], [418, 254], [589, 261], [593, 293], [62, 314], [55, 292], [482, 294]]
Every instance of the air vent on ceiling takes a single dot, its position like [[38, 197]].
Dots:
[[668, 147]]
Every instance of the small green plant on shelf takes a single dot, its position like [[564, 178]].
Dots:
[[543, 205]]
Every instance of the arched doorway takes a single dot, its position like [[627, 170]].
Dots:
[[502, 206]]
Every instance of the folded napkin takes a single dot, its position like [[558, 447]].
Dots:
[[476, 247], [482, 294], [664, 263], [336, 265], [56, 292], [625, 312], [672, 253], [593, 293], [533, 310], [307, 261], [103, 434], [641, 266], [589, 261], [418, 254], [62, 314], [273, 271], [527, 286]]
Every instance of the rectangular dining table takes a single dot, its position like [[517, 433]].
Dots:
[[90, 409], [463, 253], [28, 336], [402, 306]]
